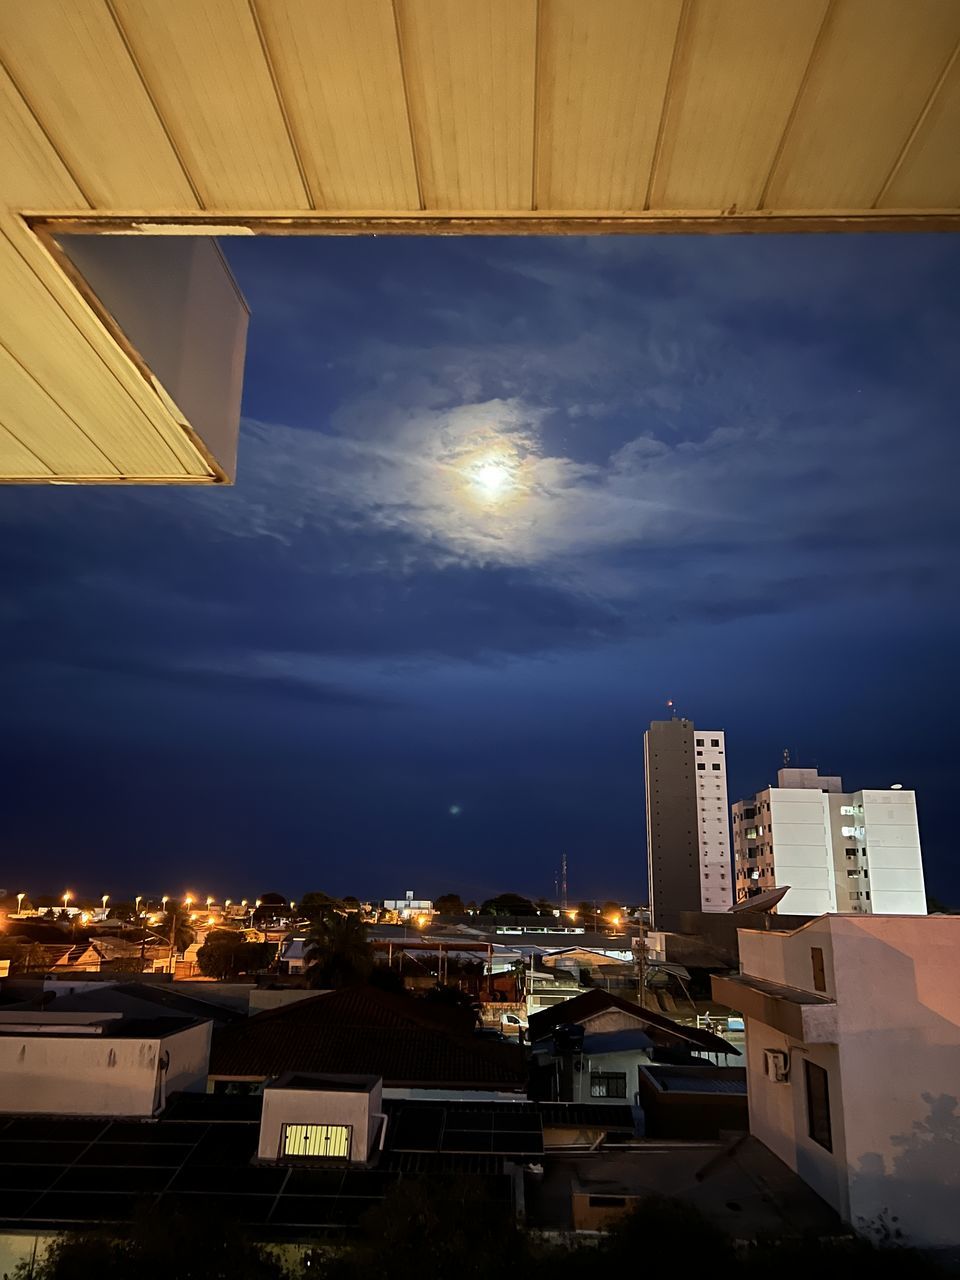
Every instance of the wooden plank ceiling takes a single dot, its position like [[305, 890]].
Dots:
[[457, 115]]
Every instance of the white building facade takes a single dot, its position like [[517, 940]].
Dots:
[[848, 852], [853, 1063], [713, 828]]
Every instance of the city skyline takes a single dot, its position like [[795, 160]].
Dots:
[[498, 501]]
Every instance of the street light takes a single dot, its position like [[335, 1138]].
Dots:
[[188, 901], [66, 898], [136, 904], [20, 898], [105, 899]]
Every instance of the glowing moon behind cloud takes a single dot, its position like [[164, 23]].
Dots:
[[491, 478]]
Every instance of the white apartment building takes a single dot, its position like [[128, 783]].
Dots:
[[847, 852], [716, 880], [853, 1062]]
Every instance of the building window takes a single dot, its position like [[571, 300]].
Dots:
[[608, 1084], [818, 1105], [716, 767], [819, 975], [701, 766], [317, 1141], [699, 742], [714, 742]]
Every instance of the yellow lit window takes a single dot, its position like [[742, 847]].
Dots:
[[321, 1141]]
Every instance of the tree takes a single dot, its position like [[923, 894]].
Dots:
[[935, 906], [316, 902], [225, 954], [122, 911], [508, 904], [449, 904], [436, 1230], [159, 1244], [543, 907], [176, 924], [453, 998], [338, 953]]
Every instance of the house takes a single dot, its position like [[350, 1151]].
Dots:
[[363, 1031], [853, 1065], [83, 1064], [593, 1046]]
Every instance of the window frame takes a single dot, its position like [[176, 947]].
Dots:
[[819, 1125], [345, 1129], [596, 1077]]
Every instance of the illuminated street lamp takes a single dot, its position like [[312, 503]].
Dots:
[[136, 903], [188, 900], [20, 898], [105, 899], [227, 902], [67, 895], [209, 903]]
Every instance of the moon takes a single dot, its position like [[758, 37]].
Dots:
[[492, 479]]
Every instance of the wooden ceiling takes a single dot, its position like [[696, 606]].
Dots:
[[557, 116]]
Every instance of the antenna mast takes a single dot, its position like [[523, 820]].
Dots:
[[563, 881]]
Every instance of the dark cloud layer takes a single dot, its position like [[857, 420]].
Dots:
[[733, 469]]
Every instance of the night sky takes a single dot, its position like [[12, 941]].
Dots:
[[498, 500]]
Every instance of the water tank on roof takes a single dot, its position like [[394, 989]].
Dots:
[[567, 1039]]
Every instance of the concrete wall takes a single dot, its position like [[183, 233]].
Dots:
[[802, 850], [893, 857], [83, 1074], [778, 1112], [283, 1106]]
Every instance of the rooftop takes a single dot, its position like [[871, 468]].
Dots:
[[661, 1029], [359, 1031]]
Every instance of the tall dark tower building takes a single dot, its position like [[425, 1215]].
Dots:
[[688, 833]]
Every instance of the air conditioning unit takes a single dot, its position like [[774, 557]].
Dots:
[[776, 1065]]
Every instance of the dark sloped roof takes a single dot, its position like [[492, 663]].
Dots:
[[141, 999], [361, 1030], [662, 1030]]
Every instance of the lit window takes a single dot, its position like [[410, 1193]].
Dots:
[[317, 1141], [847, 810]]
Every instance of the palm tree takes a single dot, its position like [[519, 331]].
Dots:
[[176, 928], [337, 950]]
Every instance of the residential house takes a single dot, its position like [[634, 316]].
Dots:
[[853, 1065], [613, 1039]]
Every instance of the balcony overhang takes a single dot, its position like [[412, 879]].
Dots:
[[557, 117], [800, 1015]]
